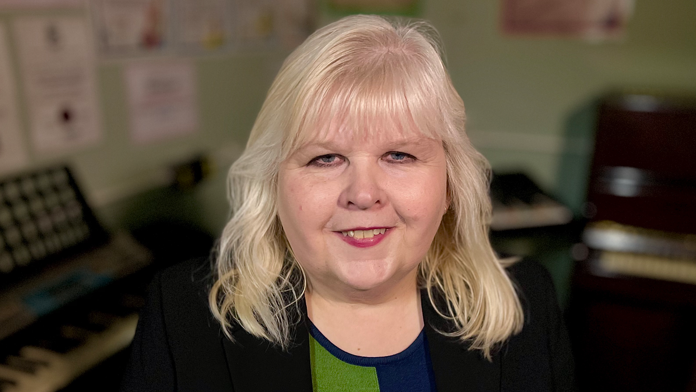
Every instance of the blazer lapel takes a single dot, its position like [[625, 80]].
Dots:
[[456, 368], [255, 365]]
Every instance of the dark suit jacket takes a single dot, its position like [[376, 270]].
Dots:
[[178, 345]]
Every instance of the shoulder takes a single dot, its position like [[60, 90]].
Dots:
[[183, 290], [533, 285], [177, 345], [536, 359], [193, 274], [538, 298], [539, 355], [528, 271], [194, 337]]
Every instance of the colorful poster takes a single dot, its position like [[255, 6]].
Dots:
[[203, 24], [12, 153], [40, 3], [161, 99], [591, 19], [58, 71], [126, 27]]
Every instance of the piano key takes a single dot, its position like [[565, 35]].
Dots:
[[615, 237], [40, 354], [17, 376], [57, 343], [73, 332], [123, 306], [61, 369], [5, 385], [93, 322], [649, 266], [102, 319], [10, 373], [24, 364]]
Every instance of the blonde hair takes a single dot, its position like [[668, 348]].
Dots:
[[369, 72]]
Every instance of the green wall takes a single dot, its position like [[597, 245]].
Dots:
[[529, 103], [545, 87]]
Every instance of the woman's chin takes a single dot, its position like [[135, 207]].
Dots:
[[365, 275], [364, 285], [372, 282]]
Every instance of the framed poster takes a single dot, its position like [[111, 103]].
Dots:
[[59, 75], [12, 153], [592, 19], [161, 99]]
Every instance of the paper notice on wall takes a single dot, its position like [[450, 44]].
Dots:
[[126, 27], [58, 71], [203, 24], [296, 20], [161, 100], [256, 23], [591, 19], [40, 3], [12, 153]]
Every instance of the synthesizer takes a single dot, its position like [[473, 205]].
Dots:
[[64, 304]]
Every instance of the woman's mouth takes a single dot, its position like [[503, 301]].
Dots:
[[363, 238], [369, 233]]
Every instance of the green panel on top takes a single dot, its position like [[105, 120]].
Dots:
[[330, 374]]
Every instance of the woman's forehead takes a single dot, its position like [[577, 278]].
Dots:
[[383, 130]]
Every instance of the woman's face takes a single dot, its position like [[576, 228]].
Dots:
[[360, 212]]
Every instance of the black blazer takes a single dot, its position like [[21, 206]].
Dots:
[[178, 346]]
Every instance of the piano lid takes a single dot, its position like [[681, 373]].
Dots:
[[643, 170]]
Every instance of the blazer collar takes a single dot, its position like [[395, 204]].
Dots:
[[257, 366]]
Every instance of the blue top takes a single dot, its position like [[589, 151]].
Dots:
[[407, 371]]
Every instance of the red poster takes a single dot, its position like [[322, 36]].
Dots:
[[598, 19]]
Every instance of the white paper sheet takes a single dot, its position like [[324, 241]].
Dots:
[[12, 153], [203, 24], [256, 24], [126, 27], [393, 7], [58, 71], [161, 99], [296, 20]]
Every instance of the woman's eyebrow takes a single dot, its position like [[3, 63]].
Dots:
[[331, 145], [413, 141], [324, 145]]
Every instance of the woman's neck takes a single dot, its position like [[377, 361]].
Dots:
[[368, 328]]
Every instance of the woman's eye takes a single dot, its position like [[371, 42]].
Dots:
[[400, 157], [325, 160]]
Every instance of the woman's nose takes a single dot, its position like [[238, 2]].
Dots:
[[363, 189]]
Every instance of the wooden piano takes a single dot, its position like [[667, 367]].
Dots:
[[632, 313]]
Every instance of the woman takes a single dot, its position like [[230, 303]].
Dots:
[[356, 256]]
